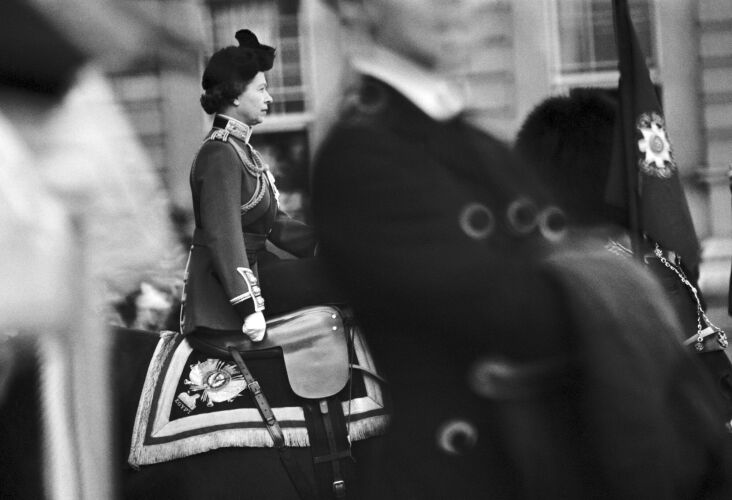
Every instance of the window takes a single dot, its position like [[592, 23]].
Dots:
[[584, 48]]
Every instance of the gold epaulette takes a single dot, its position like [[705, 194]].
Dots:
[[219, 135]]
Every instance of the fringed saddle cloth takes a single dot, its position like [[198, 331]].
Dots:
[[192, 403]]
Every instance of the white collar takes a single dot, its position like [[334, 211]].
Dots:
[[238, 129], [430, 92]]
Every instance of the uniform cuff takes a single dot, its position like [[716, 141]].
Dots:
[[251, 300], [245, 308]]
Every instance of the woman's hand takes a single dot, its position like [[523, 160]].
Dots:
[[254, 326]]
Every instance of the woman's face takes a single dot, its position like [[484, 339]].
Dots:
[[254, 101]]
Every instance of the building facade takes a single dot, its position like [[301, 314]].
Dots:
[[531, 49]]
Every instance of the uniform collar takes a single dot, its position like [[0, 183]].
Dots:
[[238, 129], [430, 92]]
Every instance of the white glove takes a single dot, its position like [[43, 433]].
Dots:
[[254, 326]]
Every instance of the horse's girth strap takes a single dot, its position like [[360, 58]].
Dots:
[[338, 486], [297, 476]]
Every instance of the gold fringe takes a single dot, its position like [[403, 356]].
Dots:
[[165, 346], [368, 427], [249, 438]]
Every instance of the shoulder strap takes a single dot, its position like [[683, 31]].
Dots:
[[218, 134]]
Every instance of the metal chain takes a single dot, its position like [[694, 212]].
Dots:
[[680, 273], [701, 315]]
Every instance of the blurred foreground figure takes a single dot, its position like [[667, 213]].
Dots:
[[38, 241], [523, 363], [568, 141], [77, 191]]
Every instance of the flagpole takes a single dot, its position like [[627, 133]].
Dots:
[[626, 85]]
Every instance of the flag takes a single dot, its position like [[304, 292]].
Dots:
[[644, 177]]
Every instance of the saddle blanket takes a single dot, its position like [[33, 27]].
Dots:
[[192, 403]]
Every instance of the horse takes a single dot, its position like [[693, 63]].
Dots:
[[593, 425], [209, 438]]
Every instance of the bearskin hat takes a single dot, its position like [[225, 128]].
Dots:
[[238, 63], [567, 141]]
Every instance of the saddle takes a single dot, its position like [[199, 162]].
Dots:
[[313, 342]]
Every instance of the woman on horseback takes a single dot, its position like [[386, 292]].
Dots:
[[235, 201], [226, 408]]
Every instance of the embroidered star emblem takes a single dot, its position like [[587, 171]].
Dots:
[[656, 156], [217, 381]]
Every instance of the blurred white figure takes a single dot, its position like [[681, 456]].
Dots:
[[35, 264], [37, 293], [125, 207], [84, 219], [36, 233], [83, 216]]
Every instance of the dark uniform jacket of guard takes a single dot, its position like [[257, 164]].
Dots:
[[236, 211], [455, 291]]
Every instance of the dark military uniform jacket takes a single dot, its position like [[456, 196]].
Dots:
[[443, 243], [236, 212]]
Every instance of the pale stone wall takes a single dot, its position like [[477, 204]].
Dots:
[[715, 94]]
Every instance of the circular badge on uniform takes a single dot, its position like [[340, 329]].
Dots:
[[656, 157]]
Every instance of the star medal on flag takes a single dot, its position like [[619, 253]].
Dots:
[[217, 381], [656, 158]]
